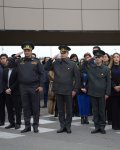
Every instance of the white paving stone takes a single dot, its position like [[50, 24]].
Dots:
[[5, 135], [41, 121], [91, 122], [118, 132], [43, 130], [76, 124], [49, 116], [76, 118]]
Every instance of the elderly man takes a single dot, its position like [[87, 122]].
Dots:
[[65, 85]]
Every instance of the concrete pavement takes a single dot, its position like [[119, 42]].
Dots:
[[48, 139]]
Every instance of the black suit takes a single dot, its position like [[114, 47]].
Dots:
[[2, 98], [13, 100]]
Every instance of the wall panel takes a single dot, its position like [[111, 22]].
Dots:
[[99, 4], [1, 2], [23, 19], [24, 3], [1, 19], [100, 20], [64, 4], [62, 19]]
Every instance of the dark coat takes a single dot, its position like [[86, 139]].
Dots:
[[66, 76], [1, 79], [115, 78], [13, 81], [30, 71], [99, 81]]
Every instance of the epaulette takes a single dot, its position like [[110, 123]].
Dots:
[[35, 59]]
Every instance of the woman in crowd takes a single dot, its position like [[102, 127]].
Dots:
[[106, 61], [74, 58], [83, 98], [46, 83], [115, 92]]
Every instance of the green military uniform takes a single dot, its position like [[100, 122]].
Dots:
[[99, 85], [65, 72]]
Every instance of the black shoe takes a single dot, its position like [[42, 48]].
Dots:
[[68, 130], [61, 130], [82, 120], [10, 126], [109, 122], [114, 128], [95, 131], [27, 129], [17, 126], [102, 131], [56, 115], [1, 123], [86, 120], [35, 129]]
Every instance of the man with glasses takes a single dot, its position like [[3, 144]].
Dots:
[[99, 86], [65, 72]]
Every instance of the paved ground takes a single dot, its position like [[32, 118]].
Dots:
[[48, 139]]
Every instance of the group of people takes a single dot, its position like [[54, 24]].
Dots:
[[88, 86], [22, 79]]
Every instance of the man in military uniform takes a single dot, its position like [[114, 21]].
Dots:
[[31, 78], [99, 87], [65, 72]]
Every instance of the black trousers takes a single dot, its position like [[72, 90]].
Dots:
[[64, 103], [31, 103], [2, 107], [109, 109], [75, 109], [13, 103], [46, 87], [116, 112], [98, 108]]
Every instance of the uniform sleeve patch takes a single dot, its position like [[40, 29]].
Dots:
[[34, 62]]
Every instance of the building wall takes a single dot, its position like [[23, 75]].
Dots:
[[73, 15]]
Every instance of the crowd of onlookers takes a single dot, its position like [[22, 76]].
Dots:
[[113, 101], [81, 104]]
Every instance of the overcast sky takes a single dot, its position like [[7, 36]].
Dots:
[[43, 51]]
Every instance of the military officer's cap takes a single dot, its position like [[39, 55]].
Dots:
[[98, 53], [64, 48], [28, 45]]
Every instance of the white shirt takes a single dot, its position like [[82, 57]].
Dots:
[[9, 73]]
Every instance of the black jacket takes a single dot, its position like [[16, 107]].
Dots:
[[1, 79], [99, 81], [13, 81], [30, 71]]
